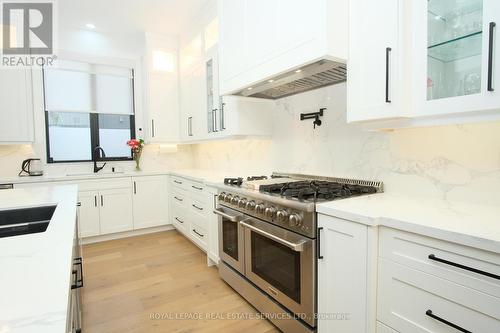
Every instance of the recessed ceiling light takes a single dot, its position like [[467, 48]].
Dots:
[[249, 88], [270, 81], [298, 71], [90, 26]]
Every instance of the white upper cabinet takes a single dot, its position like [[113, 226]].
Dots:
[[423, 63], [16, 106], [260, 39], [162, 87], [455, 68], [374, 66]]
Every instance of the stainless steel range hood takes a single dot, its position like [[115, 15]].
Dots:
[[316, 75]]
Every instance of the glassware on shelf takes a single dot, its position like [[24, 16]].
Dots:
[[455, 44]]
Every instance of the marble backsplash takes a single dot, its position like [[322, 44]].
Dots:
[[460, 162]]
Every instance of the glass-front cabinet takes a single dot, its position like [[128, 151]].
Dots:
[[214, 106], [456, 65]]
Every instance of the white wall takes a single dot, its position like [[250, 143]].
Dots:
[[455, 162], [93, 44]]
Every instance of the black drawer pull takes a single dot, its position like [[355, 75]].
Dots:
[[178, 199], [178, 220], [78, 281], [177, 182], [444, 321], [198, 233], [490, 56], [467, 268], [199, 208], [318, 243], [197, 188]]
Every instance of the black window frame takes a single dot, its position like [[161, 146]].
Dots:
[[94, 130]]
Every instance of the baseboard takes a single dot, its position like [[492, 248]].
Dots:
[[125, 234]]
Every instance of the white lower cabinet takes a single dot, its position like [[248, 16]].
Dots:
[[150, 201], [191, 205], [89, 213], [115, 210], [381, 328], [342, 276]]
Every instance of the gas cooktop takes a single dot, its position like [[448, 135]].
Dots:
[[305, 188]]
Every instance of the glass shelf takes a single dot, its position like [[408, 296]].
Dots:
[[458, 48]]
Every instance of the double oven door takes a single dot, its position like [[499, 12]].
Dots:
[[278, 261]]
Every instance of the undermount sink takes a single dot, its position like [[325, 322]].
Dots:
[[22, 221]]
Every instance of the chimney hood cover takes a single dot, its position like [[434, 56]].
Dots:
[[316, 75]]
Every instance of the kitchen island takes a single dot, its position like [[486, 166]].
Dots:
[[36, 269]]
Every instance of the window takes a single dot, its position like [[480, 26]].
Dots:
[[88, 105]]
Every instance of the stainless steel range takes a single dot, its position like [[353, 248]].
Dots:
[[268, 241]]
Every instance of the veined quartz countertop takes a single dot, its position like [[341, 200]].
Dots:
[[465, 223], [35, 269]]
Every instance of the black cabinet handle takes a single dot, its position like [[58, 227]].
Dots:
[[444, 321], [152, 128], [318, 243], [95, 200], [178, 199], [387, 73], [222, 118], [198, 233], [135, 188], [79, 204], [178, 220], [177, 182], [102, 201], [467, 268], [199, 208], [490, 56], [197, 188], [78, 280]]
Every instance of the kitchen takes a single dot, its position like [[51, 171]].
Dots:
[[357, 142]]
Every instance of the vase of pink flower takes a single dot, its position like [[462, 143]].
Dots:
[[136, 146]]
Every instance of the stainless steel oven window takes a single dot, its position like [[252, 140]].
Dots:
[[277, 264]]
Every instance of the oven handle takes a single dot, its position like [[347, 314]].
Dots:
[[231, 218], [297, 247]]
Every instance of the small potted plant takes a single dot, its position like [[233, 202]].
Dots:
[[136, 146]]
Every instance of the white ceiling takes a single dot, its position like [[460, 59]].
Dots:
[[128, 16]]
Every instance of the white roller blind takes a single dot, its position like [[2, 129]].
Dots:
[[80, 87]]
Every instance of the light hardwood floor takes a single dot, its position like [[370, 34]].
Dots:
[[161, 275]]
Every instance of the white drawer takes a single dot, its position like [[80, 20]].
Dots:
[[198, 207], [179, 197], [381, 328], [413, 250], [199, 235], [179, 183], [406, 295], [179, 219]]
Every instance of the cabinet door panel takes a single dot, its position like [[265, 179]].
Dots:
[[232, 30], [342, 274], [89, 213], [115, 210], [16, 109], [150, 201], [373, 48]]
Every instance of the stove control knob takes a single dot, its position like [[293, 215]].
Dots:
[[242, 203], [295, 220], [282, 215], [259, 208], [251, 205], [227, 198], [222, 196], [270, 212], [235, 200]]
